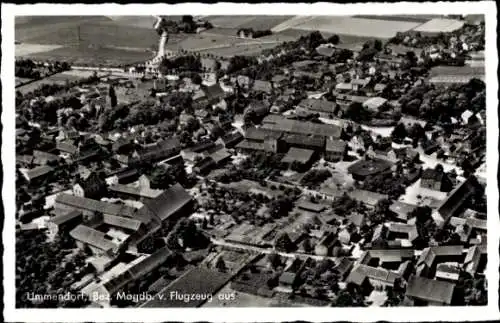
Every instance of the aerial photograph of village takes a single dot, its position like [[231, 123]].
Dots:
[[250, 161]]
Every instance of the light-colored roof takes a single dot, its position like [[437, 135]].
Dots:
[[368, 197], [374, 103], [92, 237], [454, 79], [335, 145]]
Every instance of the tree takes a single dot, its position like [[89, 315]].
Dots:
[[112, 96], [197, 79], [416, 132], [399, 133], [161, 178], [377, 45], [283, 243], [357, 112], [274, 260], [221, 265], [307, 245], [334, 39]]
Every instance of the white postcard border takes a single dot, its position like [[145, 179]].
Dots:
[[491, 311]]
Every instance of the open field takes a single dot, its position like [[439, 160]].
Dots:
[[93, 55], [205, 40], [408, 18], [24, 49], [255, 22], [59, 78], [355, 26], [96, 33], [253, 49]]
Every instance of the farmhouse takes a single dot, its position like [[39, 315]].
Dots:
[[455, 200], [305, 142], [65, 222], [173, 203], [323, 107], [436, 180], [335, 150], [297, 155], [95, 240], [367, 197], [430, 257], [88, 206], [424, 291], [37, 174], [300, 127], [92, 186], [365, 276]]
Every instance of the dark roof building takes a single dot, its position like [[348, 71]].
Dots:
[[316, 143], [122, 222], [169, 203], [429, 291], [368, 167], [93, 238], [86, 204], [232, 139], [335, 149], [320, 106], [280, 124], [455, 200], [36, 173], [302, 156]]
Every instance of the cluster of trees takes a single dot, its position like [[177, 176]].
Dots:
[[26, 68], [281, 206], [162, 177], [237, 63], [370, 49], [179, 64], [48, 89], [349, 297], [255, 33], [344, 205], [240, 205], [315, 177], [39, 270], [112, 118], [432, 103], [392, 184], [284, 243], [186, 234], [472, 33], [357, 112]]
